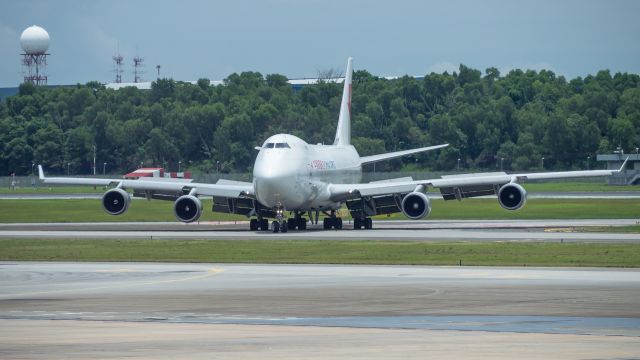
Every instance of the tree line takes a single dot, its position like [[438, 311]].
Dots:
[[491, 120]]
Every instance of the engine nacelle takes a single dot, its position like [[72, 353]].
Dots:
[[416, 205], [512, 196], [187, 208], [116, 201]]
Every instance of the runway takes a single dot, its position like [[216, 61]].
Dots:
[[421, 230], [114, 310]]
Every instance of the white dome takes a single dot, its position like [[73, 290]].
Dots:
[[34, 40]]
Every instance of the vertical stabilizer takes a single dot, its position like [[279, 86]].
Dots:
[[343, 133]]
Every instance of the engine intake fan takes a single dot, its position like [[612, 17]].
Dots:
[[187, 208], [512, 196], [116, 201], [416, 205]]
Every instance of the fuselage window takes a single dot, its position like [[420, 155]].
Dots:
[[282, 146]]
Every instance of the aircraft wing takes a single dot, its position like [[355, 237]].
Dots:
[[226, 189], [395, 154], [456, 186]]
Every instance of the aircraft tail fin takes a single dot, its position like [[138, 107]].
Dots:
[[343, 133]]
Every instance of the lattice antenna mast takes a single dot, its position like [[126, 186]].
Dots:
[[137, 69], [117, 58], [35, 67]]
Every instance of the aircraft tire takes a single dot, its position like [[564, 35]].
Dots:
[[264, 225], [275, 226], [253, 224]]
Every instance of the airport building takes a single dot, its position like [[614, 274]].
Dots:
[[631, 173]]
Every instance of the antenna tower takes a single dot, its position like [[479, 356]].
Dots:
[[137, 69], [118, 67], [35, 66]]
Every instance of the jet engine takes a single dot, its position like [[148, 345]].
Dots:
[[187, 208], [416, 205], [116, 201], [512, 196]]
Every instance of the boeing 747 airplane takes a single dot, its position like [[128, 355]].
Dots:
[[292, 178]]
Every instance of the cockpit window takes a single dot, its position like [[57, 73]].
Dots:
[[276, 145]]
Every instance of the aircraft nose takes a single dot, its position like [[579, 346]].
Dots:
[[275, 183]]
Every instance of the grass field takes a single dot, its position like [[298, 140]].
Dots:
[[633, 229], [324, 252], [90, 210], [54, 190], [489, 209], [576, 186]]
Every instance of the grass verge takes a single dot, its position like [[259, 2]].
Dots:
[[632, 229], [90, 210], [324, 252]]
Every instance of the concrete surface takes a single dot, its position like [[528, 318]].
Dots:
[[435, 230], [47, 339], [223, 311]]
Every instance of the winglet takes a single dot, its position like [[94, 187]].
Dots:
[[40, 172], [624, 164]]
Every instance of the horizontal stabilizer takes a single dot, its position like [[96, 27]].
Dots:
[[396, 154]]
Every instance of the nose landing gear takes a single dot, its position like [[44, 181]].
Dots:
[[279, 224]]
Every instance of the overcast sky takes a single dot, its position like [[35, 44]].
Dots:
[[298, 38]]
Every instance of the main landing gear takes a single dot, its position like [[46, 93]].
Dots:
[[259, 224], [297, 223], [332, 222], [359, 223]]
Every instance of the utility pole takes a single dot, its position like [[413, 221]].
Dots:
[[94, 159]]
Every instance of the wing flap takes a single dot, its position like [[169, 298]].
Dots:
[[376, 205], [461, 192]]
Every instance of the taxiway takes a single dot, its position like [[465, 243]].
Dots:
[[421, 230], [114, 310]]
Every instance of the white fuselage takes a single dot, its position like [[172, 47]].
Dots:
[[289, 173]]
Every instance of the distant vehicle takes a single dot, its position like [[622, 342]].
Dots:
[[157, 174], [292, 178]]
